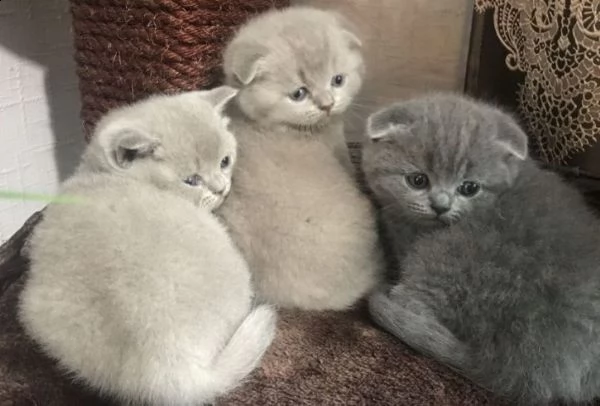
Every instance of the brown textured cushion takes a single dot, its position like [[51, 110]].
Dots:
[[341, 358], [317, 358]]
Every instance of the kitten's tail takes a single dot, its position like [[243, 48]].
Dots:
[[187, 383], [245, 348]]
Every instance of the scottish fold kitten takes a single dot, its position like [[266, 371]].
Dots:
[[136, 289], [296, 212], [500, 260]]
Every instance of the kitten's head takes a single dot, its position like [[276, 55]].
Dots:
[[178, 143], [296, 67], [439, 158]]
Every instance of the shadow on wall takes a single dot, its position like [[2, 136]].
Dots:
[[39, 97]]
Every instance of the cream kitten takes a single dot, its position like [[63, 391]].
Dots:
[[137, 289], [296, 213]]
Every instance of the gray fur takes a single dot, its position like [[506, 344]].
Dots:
[[280, 51], [136, 288], [505, 286], [296, 212]]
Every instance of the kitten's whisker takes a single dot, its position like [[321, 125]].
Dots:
[[389, 206], [367, 106]]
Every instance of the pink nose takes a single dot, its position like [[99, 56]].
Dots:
[[326, 107]]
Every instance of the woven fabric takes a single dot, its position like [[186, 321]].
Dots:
[[126, 49]]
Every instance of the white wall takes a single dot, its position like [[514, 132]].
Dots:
[[40, 135]]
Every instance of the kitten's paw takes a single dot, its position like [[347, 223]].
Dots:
[[377, 301]]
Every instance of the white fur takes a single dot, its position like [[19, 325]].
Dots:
[[137, 289], [308, 233], [296, 212], [282, 50]]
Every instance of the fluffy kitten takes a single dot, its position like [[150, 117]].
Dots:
[[137, 289], [500, 259], [306, 230]]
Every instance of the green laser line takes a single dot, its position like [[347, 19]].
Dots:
[[38, 197]]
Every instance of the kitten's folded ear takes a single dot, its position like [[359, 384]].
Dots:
[[243, 62], [349, 31], [511, 137], [393, 120], [353, 40], [219, 96], [128, 145]]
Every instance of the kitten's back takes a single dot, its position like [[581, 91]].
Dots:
[[135, 287], [143, 301]]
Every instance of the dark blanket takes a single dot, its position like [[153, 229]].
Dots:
[[324, 358]]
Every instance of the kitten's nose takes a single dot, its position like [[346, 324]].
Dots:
[[440, 203], [326, 107], [324, 101], [439, 209], [217, 185], [218, 190]]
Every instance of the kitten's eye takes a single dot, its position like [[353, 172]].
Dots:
[[193, 180], [469, 188], [417, 180], [337, 80], [225, 162], [299, 94]]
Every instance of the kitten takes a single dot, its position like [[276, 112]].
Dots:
[[137, 289], [500, 259], [296, 213]]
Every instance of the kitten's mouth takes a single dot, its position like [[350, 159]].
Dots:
[[446, 220], [437, 220], [213, 201], [443, 221], [316, 125], [311, 128]]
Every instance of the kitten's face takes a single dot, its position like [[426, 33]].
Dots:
[[437, 160], [177, 143], [196, 163], [298, 68]]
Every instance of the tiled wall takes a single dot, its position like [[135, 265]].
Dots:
[[40, 137]]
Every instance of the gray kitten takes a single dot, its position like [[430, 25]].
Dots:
[[135, 287], [296, 212], [499, 259]]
